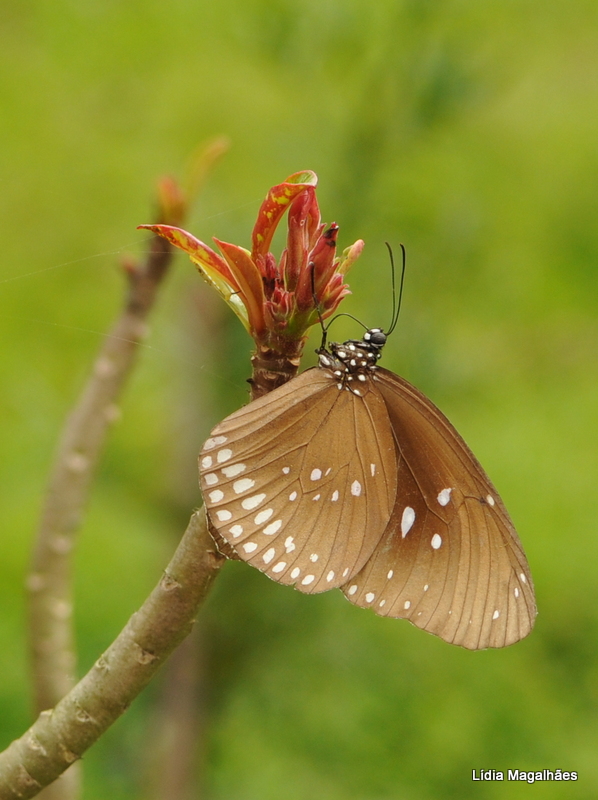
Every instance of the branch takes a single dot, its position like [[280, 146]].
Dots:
[[60, 736], [49, 580], [49, 583]]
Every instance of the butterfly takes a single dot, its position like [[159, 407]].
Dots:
[[349, 477]]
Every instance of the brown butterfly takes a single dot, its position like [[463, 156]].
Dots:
[[349, 477]]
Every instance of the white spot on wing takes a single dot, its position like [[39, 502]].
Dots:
[[243, 485], [352, 589], [426, 587], [236, 530], [370, 597], [286, 470], [316, 474], [444, 497], [211, 478], [330, 576], [214, 442], [295, 573], [496, 614], [436, 541], [390, 574], [233, 470], [382, 603], [279, 567], [490, 499], [263, 516], [253, 502], [407, 604], [216, 496], [307, 580], [269, 555], [206, 462], [224, 515], [224, 455], [407, 520], [523, 578], [373, 469], [316, 497], [273, 527], [289, 544], [356, 488], [334, 497], [250, 547], [516, 592], [293, 496], [345, 572], [314, 557]]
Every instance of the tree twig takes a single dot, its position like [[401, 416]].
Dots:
[[49, 582], [60, 736]]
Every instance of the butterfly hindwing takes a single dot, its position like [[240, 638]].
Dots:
[[300, 484], [450, 560]]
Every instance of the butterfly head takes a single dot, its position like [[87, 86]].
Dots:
[[375, 338], [354, 361]]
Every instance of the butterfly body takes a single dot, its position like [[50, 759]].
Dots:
[[349, 477]]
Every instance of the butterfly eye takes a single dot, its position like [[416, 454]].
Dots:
[[376, 337]]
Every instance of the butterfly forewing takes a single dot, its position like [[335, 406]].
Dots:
[[286, 486], [450, 560]]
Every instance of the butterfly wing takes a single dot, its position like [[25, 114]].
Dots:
[[299, 483], [450, 559]]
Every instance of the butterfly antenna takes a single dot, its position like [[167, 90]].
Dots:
[[344, 314], [396, 304]]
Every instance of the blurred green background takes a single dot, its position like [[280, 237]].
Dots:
[[467, 130]]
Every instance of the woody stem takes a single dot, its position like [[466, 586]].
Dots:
[[273, 365]]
